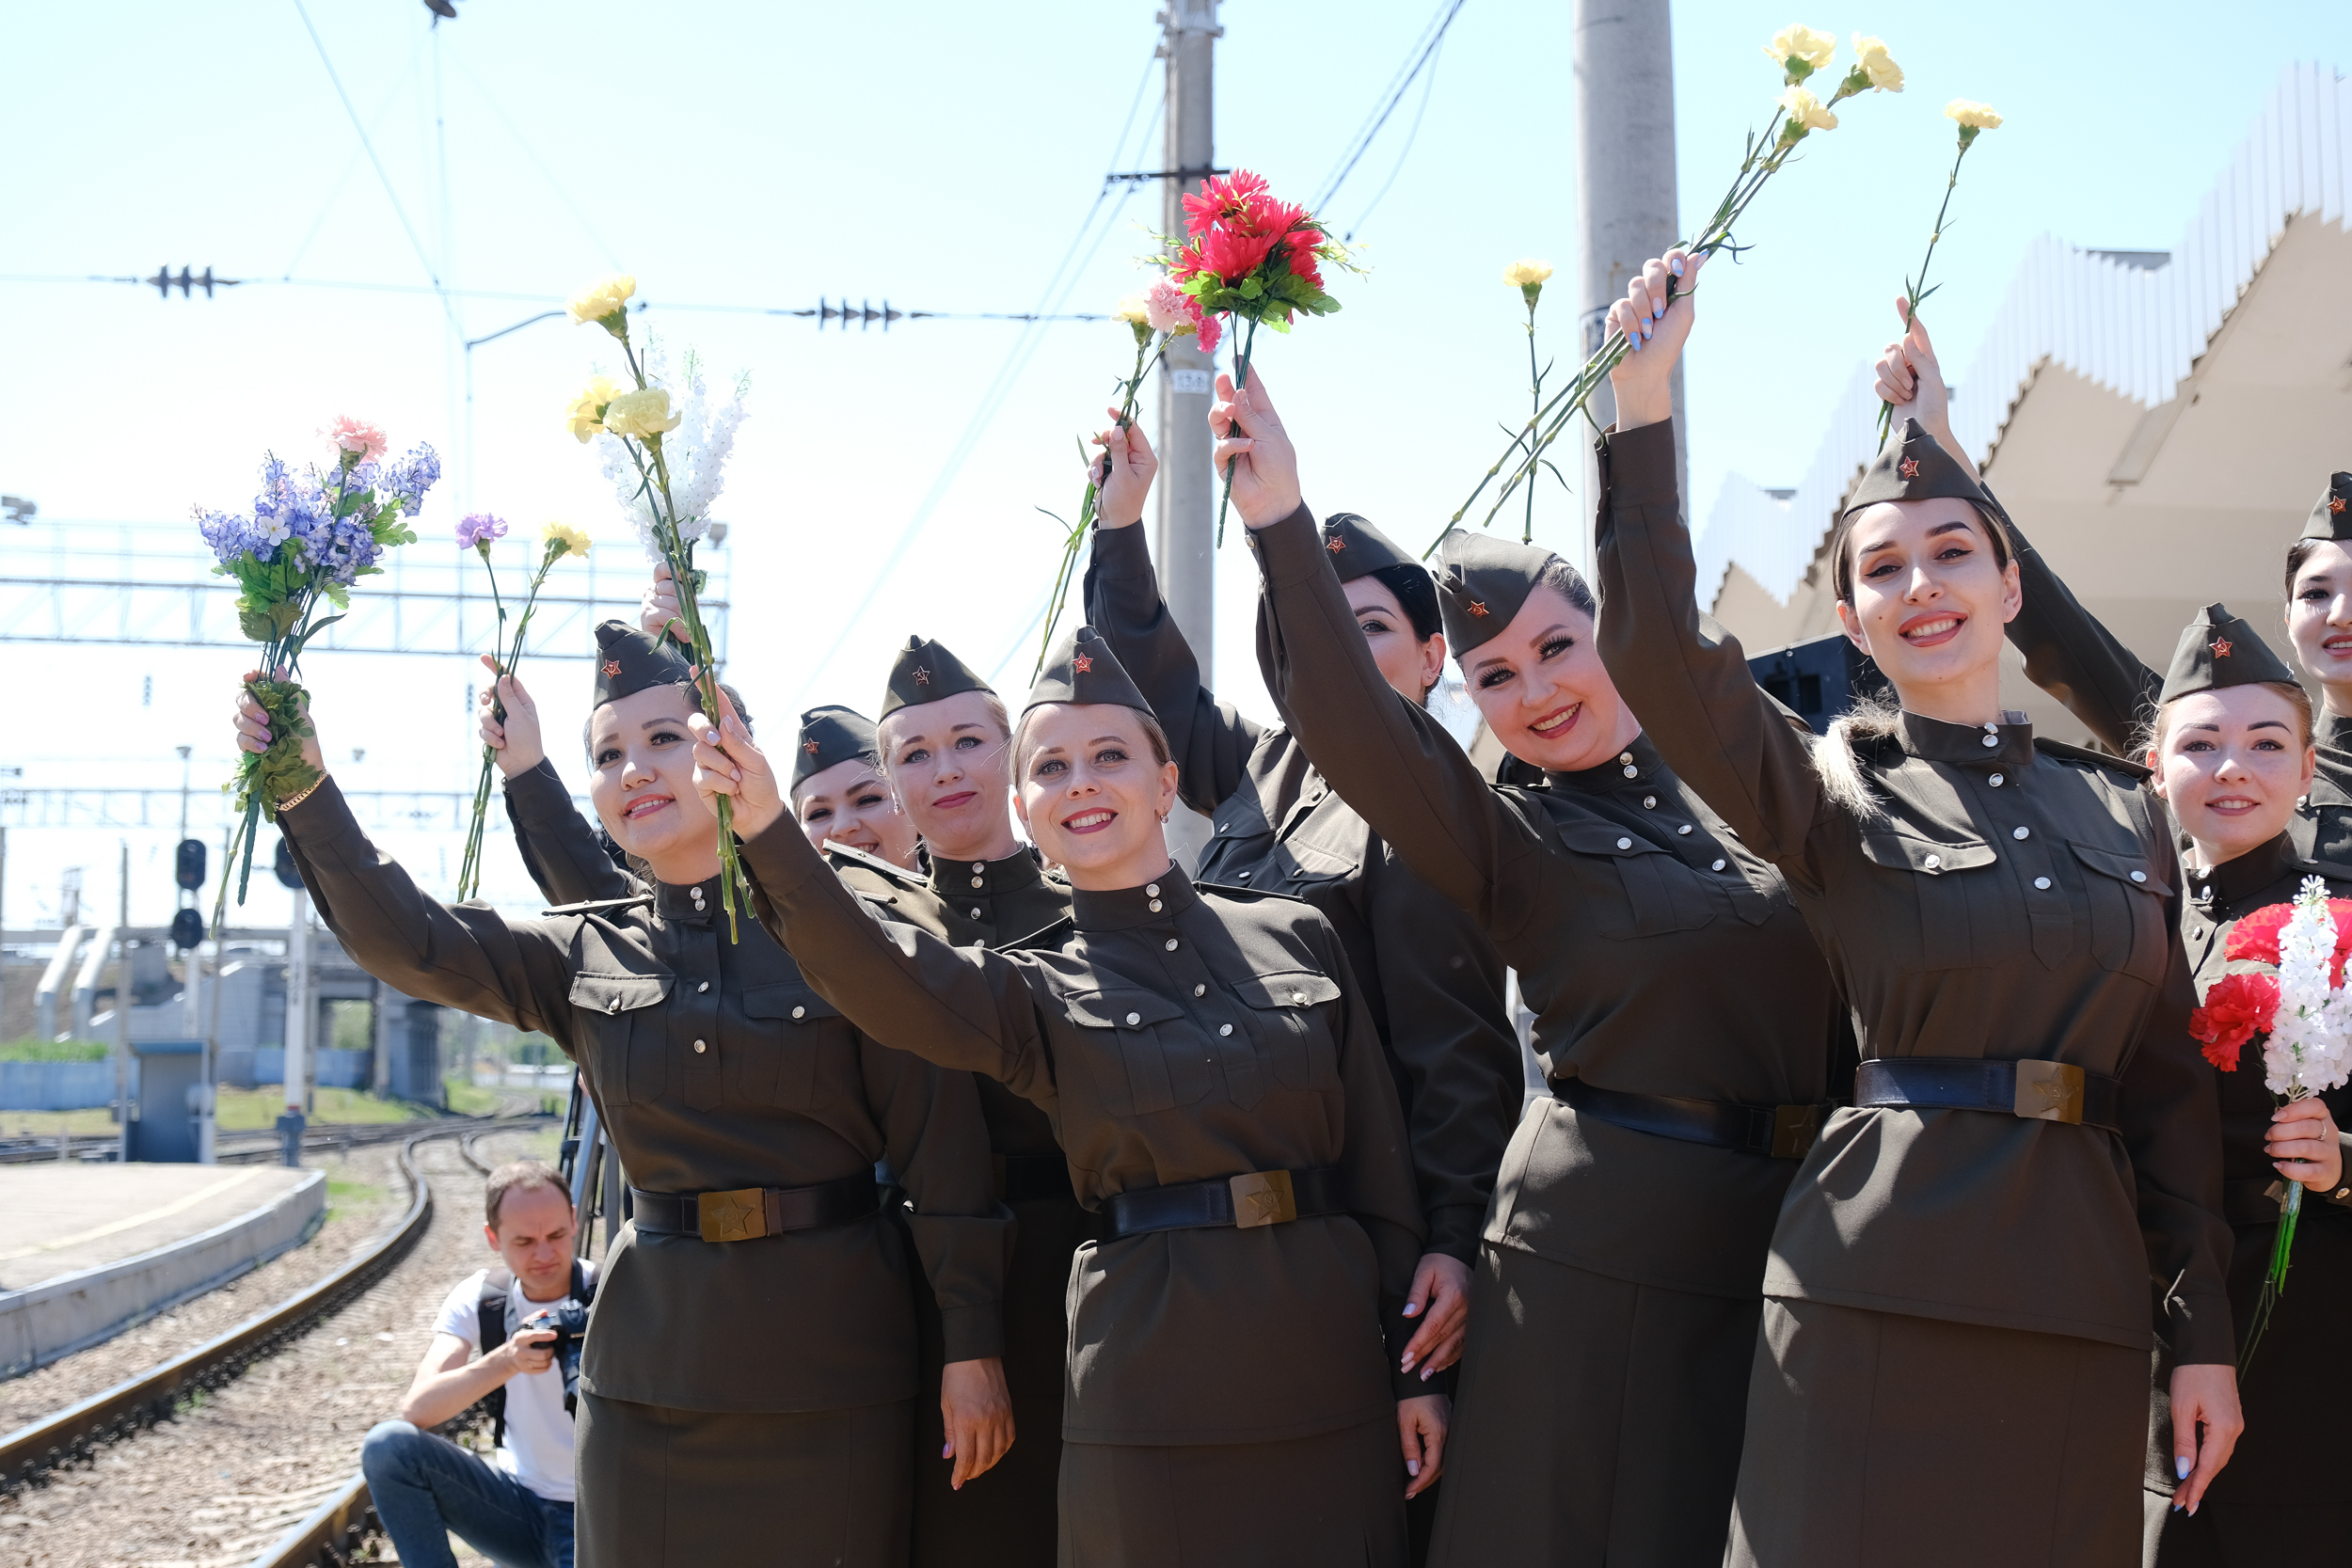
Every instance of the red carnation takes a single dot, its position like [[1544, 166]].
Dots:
[[2237, 1008], [2255, 937]]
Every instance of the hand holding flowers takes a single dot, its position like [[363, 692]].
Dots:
[[1973, 119]]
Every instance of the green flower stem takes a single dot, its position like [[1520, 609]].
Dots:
[[1535, 403], [1241, 379], [1914, 289], [470, 870], [1087, 504], [2274, 1277]]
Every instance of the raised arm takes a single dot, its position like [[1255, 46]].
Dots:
[[1212, 743], [2068, 652], [558, 847], [1685, 676]]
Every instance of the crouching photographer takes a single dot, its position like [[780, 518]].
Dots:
[[510, 1335]]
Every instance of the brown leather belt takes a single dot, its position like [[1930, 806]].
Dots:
[[1778, 1131], [748, 1214], [2034, 1089], [1260, 1197]]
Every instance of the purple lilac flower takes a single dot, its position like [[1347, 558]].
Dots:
[[412, 476], [477, 528]]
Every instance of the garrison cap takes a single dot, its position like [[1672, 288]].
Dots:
[[925, 672], [1358, 549], [830, 735], [2217, 649], [2332, 518], [1914, 466], [629, 662], [1481, 582], [1083, 669]]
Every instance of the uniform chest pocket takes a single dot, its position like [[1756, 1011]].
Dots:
[[1293, 1027], [630, 1030], [792, 1029], [1141, 1050], [1661, 895], [2128, 911], [1954, 909]]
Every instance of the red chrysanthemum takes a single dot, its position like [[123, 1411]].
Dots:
[[1231, 253], [1223, 199], [2237, 1008]]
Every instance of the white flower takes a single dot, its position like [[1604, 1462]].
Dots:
[[2308, 1047], [696, 453]]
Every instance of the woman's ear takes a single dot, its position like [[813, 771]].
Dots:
[[2012, 592], [1432, 663], [2311, 767], [1851, 624], [1169, 773], [1020, 812], [2155, 771]]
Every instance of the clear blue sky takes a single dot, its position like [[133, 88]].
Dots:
[[941, 155]]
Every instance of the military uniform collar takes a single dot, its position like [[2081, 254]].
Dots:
[[1164, 897], [2333, 787], [1635, 765], [2223, 887], [2008, 744], [684, 902], [1016, 873]]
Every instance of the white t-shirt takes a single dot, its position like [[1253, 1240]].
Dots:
[[538, 1447]]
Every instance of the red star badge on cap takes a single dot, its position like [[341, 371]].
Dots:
[[812, 747], [1477, 607], [922, 677], [1083, 663], [2221, 647], [611, 668], [2335, 504], [1335, 544], [1910, 466]]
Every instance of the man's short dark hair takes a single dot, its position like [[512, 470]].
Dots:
[[517, 1174]]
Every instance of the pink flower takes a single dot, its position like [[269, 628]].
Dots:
[[1212, 333], [364, 440], [1168, 307]]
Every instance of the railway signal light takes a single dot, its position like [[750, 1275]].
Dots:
[[188, 864], [187, 929]]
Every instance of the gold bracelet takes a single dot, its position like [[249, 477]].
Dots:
[[292, 801]]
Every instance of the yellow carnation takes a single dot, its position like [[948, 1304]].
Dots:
[[563, 539], [1976, 117], [1806, 112], [1800, 51], [1877, 64], [1520, 274], [644, 414], [586, 413], [605, 302], [1134, 310]]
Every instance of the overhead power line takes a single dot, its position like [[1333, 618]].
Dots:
[[1424, 49]]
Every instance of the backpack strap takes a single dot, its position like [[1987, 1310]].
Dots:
[[490, 1333], [583, 1287]]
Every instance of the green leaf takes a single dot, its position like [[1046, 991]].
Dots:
[[316, 627], [255, 621]]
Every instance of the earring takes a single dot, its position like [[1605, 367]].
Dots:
[[1163, 819]]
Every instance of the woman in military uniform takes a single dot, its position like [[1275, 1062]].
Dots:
[[2231, 752], [2033, 1138], [1690, 1030], [1216, 1085], [1434, 981], [746, 1390], [840, 795]]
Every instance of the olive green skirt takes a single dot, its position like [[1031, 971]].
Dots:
[[1877, 1438], [1334, 1500], [663, 1488], [1597, 1420]]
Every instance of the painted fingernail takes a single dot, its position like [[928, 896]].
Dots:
[[1412, 1466], [2181, 1468], [1405, 1365], [1411, 1308], [1425, 1371], [1678, 266], [1658, 312], [948, 1452]]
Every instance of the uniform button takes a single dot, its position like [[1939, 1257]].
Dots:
[[1245, 877], [1994, 781], [2041, 883], [2139, 876], [1684, 829], [1222, 825], [1650, 802], [1992, 739], [1298, 996], [2022, 832], [700, 1048], [1631, 771], [1625, 844], [980, 881], [705, 986], [1200, 991], [1719, 866], [976, 914], [799, 1012], [1134, 1019], [1155, 906], [1224, 1029], [1935, 862], [613, 1005], [1625, 756], [1150, 890], [1171, 945]]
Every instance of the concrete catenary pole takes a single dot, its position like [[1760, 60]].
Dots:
[[301, 1021], [1184, 543], [1625, 183]]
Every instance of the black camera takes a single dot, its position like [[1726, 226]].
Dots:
[[570, 1323]]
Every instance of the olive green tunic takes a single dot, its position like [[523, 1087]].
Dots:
[[1429, 972], [1175, 1036], [2009, 898], [715, 1066], [1601, 1402]]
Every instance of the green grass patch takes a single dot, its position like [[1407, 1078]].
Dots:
[[257, 1110], [343, 1195], [48, 1124], [470, 1100], [55, 1051]]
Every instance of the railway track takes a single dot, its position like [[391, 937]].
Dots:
[[334, 1529], [255, 1147]]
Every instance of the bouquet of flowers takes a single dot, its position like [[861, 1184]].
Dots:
[[1974, 121], [478, 530], [312, 534], [666, 463], [1801, 54], [2294, 998], [1249, 255]]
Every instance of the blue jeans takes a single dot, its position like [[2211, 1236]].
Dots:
[[424, 1487]]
